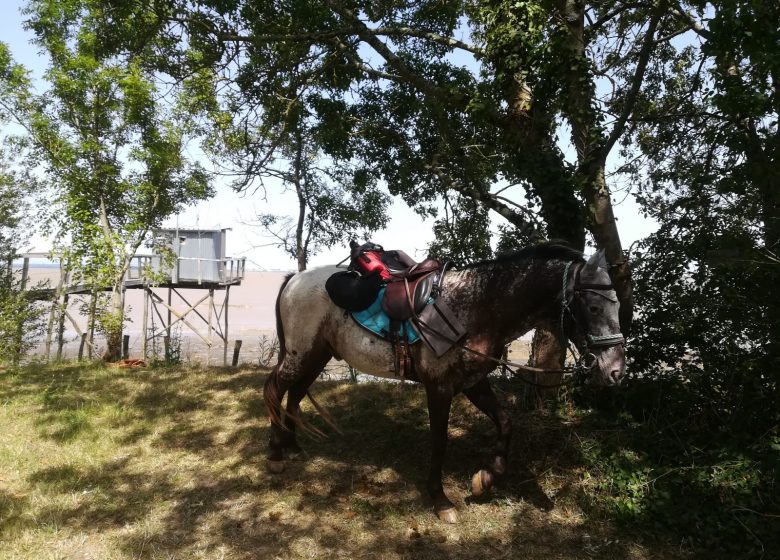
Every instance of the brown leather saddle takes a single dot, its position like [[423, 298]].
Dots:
[[410, 289], [410, 300], [410, 294]]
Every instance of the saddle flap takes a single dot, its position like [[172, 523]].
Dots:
[[439, 328]]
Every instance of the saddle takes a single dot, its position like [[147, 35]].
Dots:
[[410, 290]]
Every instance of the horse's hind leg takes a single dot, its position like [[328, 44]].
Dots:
[[293, 377], [482, 396]]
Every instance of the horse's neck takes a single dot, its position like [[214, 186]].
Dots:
[[510, 300]]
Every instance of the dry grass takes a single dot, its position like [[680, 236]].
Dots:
[[118, 464]]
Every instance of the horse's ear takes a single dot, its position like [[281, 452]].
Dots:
[[597, 260]]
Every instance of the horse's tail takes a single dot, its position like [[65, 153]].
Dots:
[[271, 392], [279, 326]]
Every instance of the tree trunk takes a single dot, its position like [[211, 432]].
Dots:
[[301, 249], [603, 226], [113, 325], [593, 145], [547, 353]]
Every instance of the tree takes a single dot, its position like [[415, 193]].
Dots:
[[706, 153], [335, 203], [394, 92], [20, 319], [109, 151]]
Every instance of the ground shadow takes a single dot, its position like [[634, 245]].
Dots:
[[360, 495]]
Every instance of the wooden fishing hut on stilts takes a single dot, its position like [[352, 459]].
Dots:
[[181, 259], [200, 263]]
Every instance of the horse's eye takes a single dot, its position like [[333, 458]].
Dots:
[[594, 309]]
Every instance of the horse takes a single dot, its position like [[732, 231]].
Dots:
[[498, 300]]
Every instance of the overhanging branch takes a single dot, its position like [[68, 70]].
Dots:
[[369, 36], [636, 85]]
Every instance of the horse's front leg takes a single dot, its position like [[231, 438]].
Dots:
[[439, 403], [482, 396]]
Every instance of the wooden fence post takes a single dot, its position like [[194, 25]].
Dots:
[[236, 351]]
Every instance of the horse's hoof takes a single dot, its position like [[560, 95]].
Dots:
[[448, 515], [481, 482], [274, 467]]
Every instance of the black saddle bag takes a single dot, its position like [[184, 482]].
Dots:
[[353, 292]]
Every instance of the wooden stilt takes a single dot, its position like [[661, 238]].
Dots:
[[53, 311], [22, 287], [211, 327], [91, 326], [225, 332], [126, 347], [25, 273], [145, 328], [168, 324], [61, 326], [81, 345]]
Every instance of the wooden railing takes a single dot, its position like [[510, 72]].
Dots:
[[229, 270]]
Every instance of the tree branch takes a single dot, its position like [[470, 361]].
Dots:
[[340, 32], [368, 36], [487, 199], [690, 21], [636, 85], [423, 34]]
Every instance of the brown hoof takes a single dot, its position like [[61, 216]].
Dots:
[[274, 467], [449, 515], [481, 482]]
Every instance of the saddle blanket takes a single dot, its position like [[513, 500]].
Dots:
[[376, 320]]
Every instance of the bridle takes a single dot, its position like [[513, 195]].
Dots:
[[586, 360]]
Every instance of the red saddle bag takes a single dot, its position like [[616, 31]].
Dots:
[[371, 261]]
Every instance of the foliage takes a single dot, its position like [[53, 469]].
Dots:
[[21, 320], [660, 462], [707, 160], [704, 401], [463, 234], [334, 204], [165, 353], [442, 101], [109, 151]]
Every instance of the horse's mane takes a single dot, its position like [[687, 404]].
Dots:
[[546, 251]]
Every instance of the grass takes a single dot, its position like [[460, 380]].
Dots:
[[169, 463]]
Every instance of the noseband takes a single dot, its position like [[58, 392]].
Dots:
[[587, 360]]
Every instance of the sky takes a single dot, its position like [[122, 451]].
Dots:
[[406, 230]]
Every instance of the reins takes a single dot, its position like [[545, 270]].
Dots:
[[579, 371]]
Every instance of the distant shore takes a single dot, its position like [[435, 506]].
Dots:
[[250, 312]]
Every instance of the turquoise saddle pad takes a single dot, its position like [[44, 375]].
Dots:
[[377, 321]]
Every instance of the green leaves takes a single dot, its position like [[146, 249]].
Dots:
[[111, 151]]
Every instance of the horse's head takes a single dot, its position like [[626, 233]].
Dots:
[[592, 322]]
